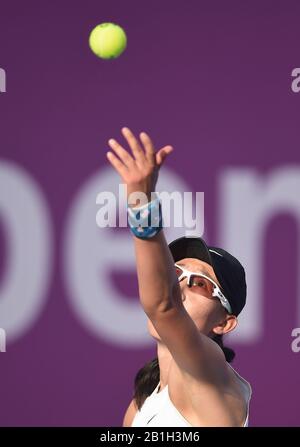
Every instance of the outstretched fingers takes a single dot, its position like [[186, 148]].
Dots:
[[134, 145], [143, 159], [117, 164], [149, 147], [162, 154], [121, 152]]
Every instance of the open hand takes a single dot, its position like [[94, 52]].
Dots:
[[138, 169]]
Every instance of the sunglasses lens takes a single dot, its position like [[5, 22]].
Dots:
[[201, 284]]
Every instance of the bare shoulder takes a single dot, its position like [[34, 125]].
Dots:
[[130, 413]]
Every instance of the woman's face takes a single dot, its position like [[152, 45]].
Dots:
[[205, 310]]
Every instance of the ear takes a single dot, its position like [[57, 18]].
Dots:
[[227, 325]]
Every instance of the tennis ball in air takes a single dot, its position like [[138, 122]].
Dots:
[[108, 40]]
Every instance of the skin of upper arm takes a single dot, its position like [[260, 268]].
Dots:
[[202, 365], [195, 354], [130, 413]]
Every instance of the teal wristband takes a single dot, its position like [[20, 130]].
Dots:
[[145, 221]]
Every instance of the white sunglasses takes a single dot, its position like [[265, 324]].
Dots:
[[216, 292]]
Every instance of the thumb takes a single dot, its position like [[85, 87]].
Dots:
[[162, 154]]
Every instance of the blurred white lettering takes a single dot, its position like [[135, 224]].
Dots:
[[248, 203], [2, 340], [295, 86], [2, 81], [295, 345], [28, 241]]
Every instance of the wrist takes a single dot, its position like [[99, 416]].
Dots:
[[146, 221], [138, 199]]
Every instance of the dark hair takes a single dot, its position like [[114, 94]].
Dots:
[[148, 377]]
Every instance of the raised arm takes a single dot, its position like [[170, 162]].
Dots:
[[159, 289], [158, 285]]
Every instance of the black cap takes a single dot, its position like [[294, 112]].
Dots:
[[228, 270]]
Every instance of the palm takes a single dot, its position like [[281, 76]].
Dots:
[[139, 170]]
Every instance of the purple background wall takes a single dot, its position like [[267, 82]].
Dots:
[[211, 78]]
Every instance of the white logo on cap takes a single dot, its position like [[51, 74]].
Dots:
[[213, 251]]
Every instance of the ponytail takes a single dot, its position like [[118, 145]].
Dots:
[[145, 381], [148, 376], [228, 352]]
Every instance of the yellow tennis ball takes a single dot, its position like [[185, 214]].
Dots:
[[107, 40]]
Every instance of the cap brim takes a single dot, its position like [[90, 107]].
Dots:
[[190, 247]]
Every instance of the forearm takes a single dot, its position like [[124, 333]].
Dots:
[[158, 286]]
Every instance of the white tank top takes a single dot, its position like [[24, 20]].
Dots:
[[159, 411]]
